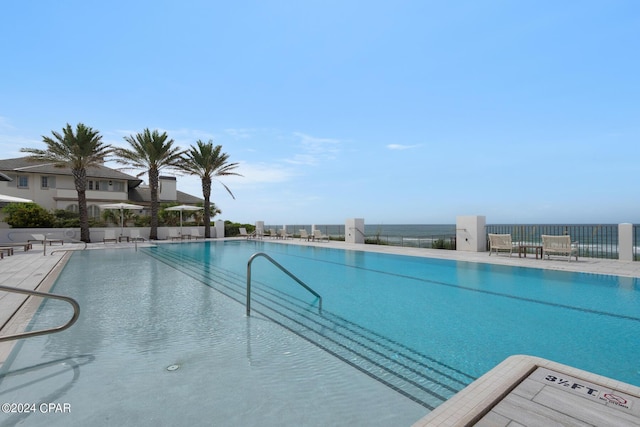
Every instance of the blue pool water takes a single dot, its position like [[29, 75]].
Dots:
[[397, 336]]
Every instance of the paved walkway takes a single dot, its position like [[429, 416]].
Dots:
[[515, 393]]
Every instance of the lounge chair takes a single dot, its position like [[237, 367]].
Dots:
[[174, 234], [273, 234], [41, 238], [135, 236], [500, 242], [283, 234], [317, 235], [25, 245], [109, 236], [559, 245], [304, 235], [7, 249], [195, 234], [243, 233]]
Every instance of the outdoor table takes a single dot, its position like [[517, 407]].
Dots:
[[522, 249]]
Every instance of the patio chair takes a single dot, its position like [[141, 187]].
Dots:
[[317, 235], [174, 234], [135, 236], [7, 249], [109, 236], [561, 245], [500, 242], [25, 245], [283, 234], [195, 234], [273, 234], [243, 233], [304, 235]]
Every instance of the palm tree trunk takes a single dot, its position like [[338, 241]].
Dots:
[[206, 192], [80, 181], [153, 187]]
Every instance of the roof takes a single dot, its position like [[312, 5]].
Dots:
[[22, 164], [142, 194]]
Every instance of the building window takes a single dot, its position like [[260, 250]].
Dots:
[[118, 186], [44, 182], [98, 185], [72, 208], [23, 181]]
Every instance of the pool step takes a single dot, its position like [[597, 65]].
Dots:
[[413, 374]]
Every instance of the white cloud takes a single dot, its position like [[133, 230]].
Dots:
[[314, 150], [259, 173], [401, 147], [318, 145], [239, 133]]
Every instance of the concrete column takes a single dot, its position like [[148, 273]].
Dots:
[[625, 242], [219, 227], [259, 228], [471, 233], [354, 230]]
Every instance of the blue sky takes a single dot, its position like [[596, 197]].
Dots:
[[395, 112]]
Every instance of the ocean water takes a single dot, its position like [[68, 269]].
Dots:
[[382, 230], [594, 240]]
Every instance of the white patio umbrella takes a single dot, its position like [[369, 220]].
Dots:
[[183, 208], [122, 207], [11, 199]]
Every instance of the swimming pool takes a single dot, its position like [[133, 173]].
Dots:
[[163, 339]]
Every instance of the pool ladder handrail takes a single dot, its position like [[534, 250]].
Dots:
[[287, 272], [73, 302], [66, 250]]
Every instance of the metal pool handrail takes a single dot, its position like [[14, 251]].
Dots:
[[67, 250], [74, 304], [287, 272]]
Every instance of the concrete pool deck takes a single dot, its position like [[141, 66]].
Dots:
[[521, 391]]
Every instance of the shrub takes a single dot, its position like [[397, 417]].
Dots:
[[66, 219], [232, 229], [28, 215], [141, 220], [443, 244]]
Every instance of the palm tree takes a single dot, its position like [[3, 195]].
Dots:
[[207, 162], [198, 216], [153, 152], [77, 151]]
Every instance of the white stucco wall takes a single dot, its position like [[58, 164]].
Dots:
[[63, 193], [470, 233]]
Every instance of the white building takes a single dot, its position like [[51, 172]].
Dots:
[[54, 188]]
